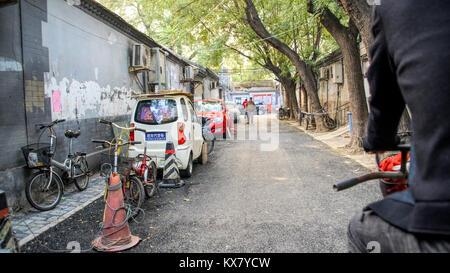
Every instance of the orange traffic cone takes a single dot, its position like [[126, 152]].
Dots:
[[116, 234]]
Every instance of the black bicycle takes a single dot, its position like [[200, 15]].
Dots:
[[283, 113]]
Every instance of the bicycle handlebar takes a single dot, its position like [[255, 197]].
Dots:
[[100, 141], [134, 142], [43, 125], [105, 121], [110, 143], [115, 125], [402, 174], [370, 176], [139, 129]]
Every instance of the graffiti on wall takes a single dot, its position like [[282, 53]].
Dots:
[[72, 99], [7, 64]]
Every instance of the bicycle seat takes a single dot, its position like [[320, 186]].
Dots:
[[72, 134]]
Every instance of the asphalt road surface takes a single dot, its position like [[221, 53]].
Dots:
[[243, 200]]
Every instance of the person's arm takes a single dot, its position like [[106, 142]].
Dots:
[[386, 101]]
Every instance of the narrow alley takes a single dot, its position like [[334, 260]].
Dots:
[[242, 200]]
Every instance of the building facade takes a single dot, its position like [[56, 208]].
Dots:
[[70, 60], [332, 88]]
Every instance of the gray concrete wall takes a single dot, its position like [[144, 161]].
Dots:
[[176, 75], [12, 108], [58, 62]]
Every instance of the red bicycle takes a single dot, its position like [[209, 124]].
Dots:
[[145, 168]]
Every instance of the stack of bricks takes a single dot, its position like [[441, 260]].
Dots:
[[8, 242], [34, 95]]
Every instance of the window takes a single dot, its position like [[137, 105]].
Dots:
[[184, 109], [156, 111], [208, 106], [193, 114]]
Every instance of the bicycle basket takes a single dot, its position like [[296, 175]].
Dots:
[[390, 162], [37, 155], [125, 165]]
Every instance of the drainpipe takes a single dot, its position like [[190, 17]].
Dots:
[[22, 62]]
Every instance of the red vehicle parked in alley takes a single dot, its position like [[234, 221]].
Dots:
[[215, 109]]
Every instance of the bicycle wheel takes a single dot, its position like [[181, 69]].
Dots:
[[42, 193], [329, 122], [151, 187], [134, 194], [81, 173]]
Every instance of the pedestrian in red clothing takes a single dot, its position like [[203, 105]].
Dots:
[[245, 104]]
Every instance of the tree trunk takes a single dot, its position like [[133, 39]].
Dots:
[[361, 14], [346, 37], [289, 85], [305, 100], [355, 85], [303, 69]]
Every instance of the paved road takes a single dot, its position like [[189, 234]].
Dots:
[[243, 200]]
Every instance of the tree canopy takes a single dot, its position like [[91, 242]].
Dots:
[[214, 33]]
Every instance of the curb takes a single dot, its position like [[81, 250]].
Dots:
[[60, 219], [356, 158]]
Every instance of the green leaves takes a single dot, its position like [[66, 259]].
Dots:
[[206, 29]]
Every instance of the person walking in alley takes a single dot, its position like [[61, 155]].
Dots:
[[250, 110], [245, 110], [410, 64]]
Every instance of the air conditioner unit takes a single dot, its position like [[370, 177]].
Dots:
[[338, 75], [141, 57], [188, 72], [157, 72], [323, 73]]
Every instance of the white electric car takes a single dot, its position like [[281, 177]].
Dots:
[[167, 116]]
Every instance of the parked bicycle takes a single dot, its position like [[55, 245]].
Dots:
[[132, 186], [283, 112], [45, 188], [145, 168]]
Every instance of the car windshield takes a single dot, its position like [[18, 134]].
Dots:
[[231, 105], [208, 106], [156, 111]]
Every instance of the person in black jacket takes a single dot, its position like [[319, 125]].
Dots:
[[410, 64]]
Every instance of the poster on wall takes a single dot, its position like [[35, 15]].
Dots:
[[56, 101]]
